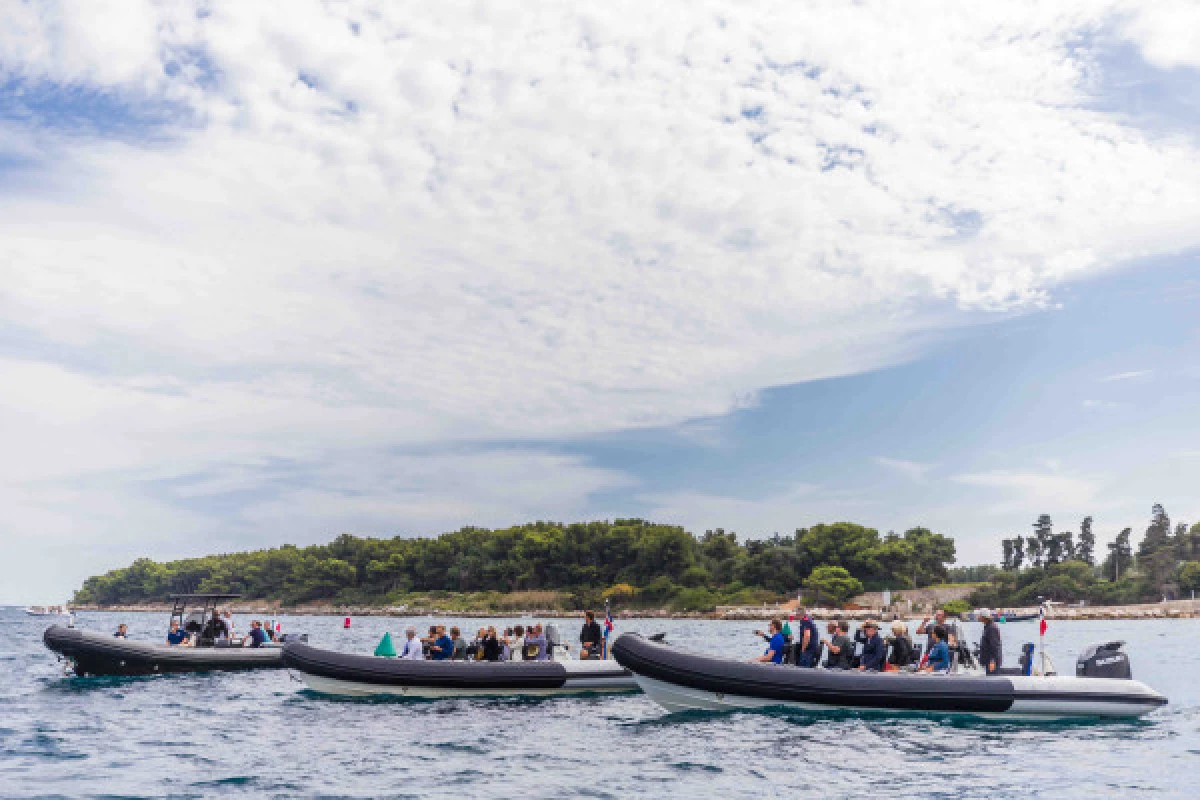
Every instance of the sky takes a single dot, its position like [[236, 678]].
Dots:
[[270, 273]]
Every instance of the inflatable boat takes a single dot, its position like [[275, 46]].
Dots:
[[95, 653], [349, 674], [681, 681]]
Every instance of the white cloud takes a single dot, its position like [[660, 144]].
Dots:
[[1023, 490], [361, 227], [1166, 31], [912, 470], [1127, 376]]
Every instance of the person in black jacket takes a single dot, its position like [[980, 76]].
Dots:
[[874, 649], [839, 645], [590, 637], [991, 649], [902, 646]]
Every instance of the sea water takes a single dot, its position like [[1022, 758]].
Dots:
[[262, 734]]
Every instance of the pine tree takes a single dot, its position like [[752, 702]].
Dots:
[[1007, 545], [1033, 547], [1018, 546], [1120, 555], [1043, 530], [1158, 533], [1086, 551]]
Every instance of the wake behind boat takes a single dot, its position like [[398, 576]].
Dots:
[[681, 681], [349, 674]]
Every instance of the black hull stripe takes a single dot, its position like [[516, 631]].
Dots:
[[430, 674], [813, 687], [98, 654]]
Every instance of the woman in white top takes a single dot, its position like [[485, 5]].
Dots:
[[516, 645]]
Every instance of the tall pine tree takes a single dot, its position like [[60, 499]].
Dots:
[[1086, 551]]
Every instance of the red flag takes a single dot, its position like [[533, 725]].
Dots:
[[1042, 624]]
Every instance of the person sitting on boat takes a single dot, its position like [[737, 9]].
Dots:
[[991, 649], [774, 654], [590, 637], [516, 644], [177, 635], [414, 648], [460, 644], [536, 646], [874, 648], [839, 644], [257, 636], [442, 647], [939, 618], [122, 630], [902, 648], [938, 658], [215, 628], [490, 644]]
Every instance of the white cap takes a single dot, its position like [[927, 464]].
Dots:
[[984, 612]]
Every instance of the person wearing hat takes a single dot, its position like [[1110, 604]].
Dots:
[[874, 651], [991, 649]]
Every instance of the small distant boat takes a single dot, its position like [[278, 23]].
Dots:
[[681, 681], [48, 611], [353, 675]]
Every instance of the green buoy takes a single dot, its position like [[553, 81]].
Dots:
[[385, 647]]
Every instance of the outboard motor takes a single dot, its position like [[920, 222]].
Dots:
[[1104, 661], [553, 641]]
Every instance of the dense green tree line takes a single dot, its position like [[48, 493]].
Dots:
[[1063, 567], [634, 560]]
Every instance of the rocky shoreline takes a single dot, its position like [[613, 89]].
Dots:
[[1175, 609]]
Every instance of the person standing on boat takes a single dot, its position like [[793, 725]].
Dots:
[[414, 648], [590, 637], [808, 640], [774, 654], [991, 648], [939, 618], [874, 650]]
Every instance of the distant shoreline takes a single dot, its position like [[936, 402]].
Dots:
[[1175, 609]]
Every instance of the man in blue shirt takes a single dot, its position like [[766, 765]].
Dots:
[[177, 634], [257, 635], [442, 647], [938, 659], [774, 654], [808, 641]]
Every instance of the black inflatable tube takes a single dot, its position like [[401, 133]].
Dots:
[[434, 674], [100, 654], [842, 688]]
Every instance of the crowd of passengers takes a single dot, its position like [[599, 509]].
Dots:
[[868, 650], [217, 629], [518, 643]]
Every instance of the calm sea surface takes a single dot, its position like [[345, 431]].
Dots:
[[262, 734]]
